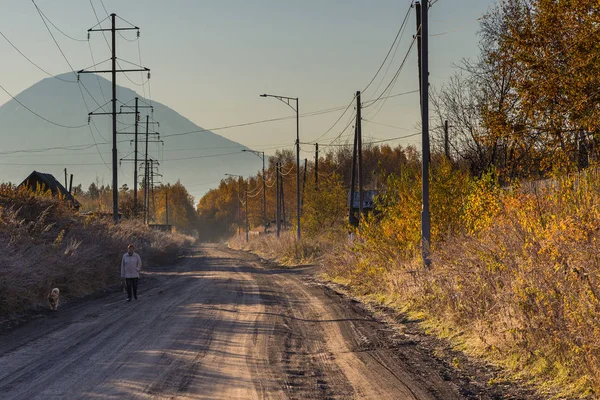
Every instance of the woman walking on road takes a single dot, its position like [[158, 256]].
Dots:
[[131, 265]]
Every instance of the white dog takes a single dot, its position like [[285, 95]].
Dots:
[[53, 299]]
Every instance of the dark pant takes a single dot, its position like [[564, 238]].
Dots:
[[131, 284]]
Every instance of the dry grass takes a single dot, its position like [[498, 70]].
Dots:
[[286, 250], [45, 244], [522, 289], [516, 280]]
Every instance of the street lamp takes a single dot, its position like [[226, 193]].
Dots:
[[288, 100], [261, 154], [238, 195]]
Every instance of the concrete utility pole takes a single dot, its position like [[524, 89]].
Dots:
[[351, 219], [359, 151], [317, 166], [113, 29], [146, 175], [418, 14], [288, 100], [166, 207], [135, 152], [425, 215]]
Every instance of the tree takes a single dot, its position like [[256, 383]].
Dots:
[[93, 191]]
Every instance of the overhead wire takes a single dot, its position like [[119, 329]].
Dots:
[[79, 83], [398, 35], [402, 26], [38, 115], [33, 63]]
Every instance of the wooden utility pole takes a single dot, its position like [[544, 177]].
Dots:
[[277, 200], [304, 180], [247, 225], [66, 183], [71, 185], [446, 141], [282, 195], [317, 166], [238, 204], [113, 71]]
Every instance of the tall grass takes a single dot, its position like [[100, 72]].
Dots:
[[515, 276], [45, 244]]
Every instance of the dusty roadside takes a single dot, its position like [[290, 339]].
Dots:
[[223, 325], [472, 378]]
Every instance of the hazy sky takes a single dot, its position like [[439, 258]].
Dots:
[[210, 60]]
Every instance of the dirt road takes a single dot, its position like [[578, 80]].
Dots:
[[217, 326]]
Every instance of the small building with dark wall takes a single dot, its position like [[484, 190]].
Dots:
[[41, 181]]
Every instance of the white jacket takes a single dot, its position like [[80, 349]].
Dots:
[[131, 265]]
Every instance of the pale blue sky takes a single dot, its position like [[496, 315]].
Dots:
[[211, 59]]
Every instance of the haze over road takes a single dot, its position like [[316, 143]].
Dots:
[[218, 326]]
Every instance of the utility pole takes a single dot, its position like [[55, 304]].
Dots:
[[167, 207], [135, 152], [351, 219], [418, 13], [247, 226], [317, 166], [282, 195], [424, 53], [288, 100], [304, 180], [113, 72], [261, 154], [359, 151], [298, 207], [239, 192], [147, 175], [264, 193], [239, 208], [71, 184], [66, 184], [446, 141], [277, 200]]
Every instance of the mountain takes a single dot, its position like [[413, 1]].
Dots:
[[199, 160]]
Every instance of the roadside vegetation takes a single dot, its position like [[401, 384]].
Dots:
[[46, 244], [515, 195]]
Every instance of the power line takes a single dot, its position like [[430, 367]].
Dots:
[[395, 77], [391, 47], [58, 29], [375, 141], [33, 63], [335, 123], [38, 115], [388, 126]]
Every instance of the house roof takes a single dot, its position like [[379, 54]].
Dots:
[[50, 182]]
